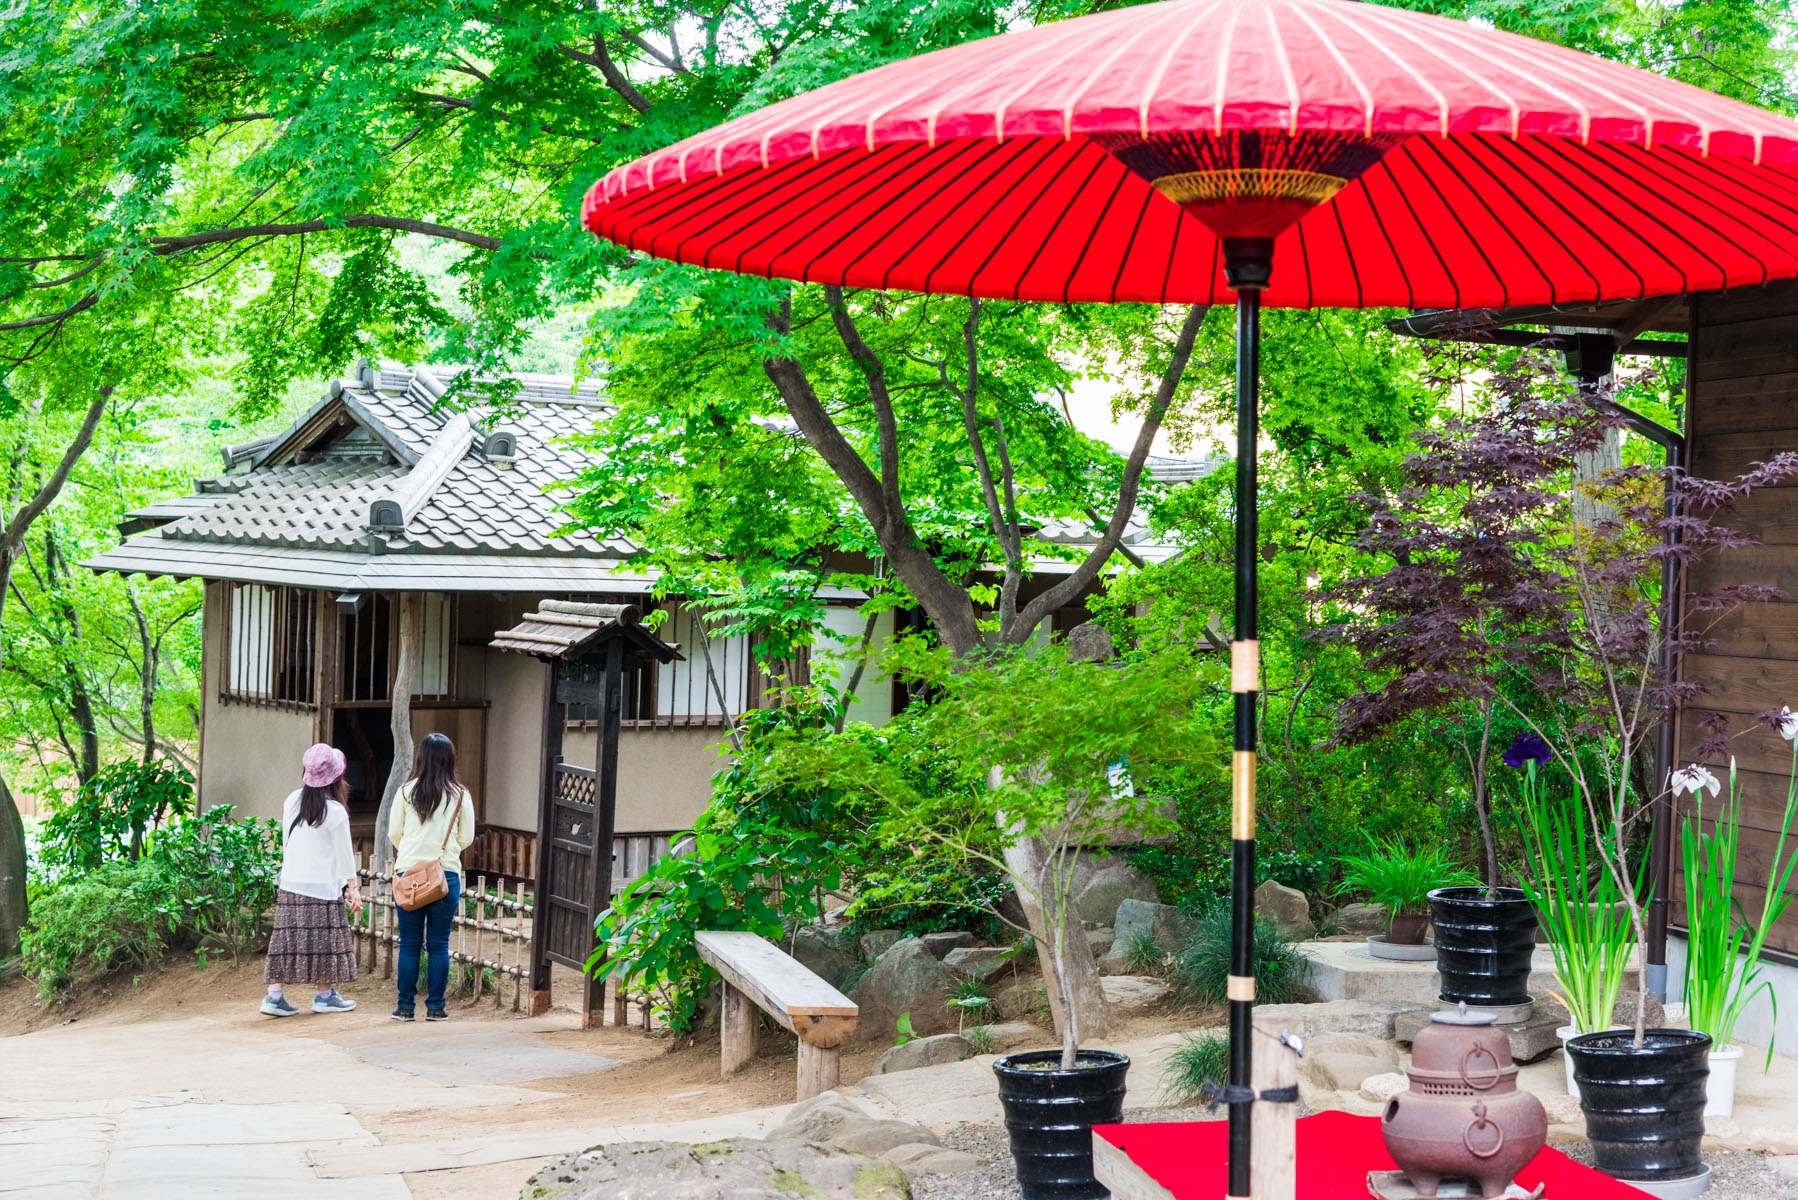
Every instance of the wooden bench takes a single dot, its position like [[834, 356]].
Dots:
[[758, 973]]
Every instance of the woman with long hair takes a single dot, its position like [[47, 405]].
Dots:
[[433, 818], [311, 942]]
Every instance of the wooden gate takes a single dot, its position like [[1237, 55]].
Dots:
[[588, 648], [566, 894]]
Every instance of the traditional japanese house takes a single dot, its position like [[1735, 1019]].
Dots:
[[1741, 407], [379, 495]]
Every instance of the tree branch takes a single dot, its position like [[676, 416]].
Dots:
[[16, 528], [949, 606], [601, 60], [875, 371], [1088, 570]]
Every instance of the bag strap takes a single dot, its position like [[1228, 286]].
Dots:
[[454, 821]]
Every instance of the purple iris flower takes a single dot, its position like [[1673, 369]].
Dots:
[[1526, 748]]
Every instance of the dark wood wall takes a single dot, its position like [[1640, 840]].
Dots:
[[1743, 408]]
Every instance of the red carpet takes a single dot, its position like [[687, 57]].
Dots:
[[1336, 1151]]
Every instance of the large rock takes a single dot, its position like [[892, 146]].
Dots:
[[1373, 1018], [877, 942], [923, 1052], [940, 944], [1362, 919], [1022, 1002], [1624, 1013], [921, 1158], [1342, 1061], [1381, 1088], [978, 962], [1286, 907], [821, 952], [1104, 884], [834, 1118], [906, 979], [1090, 642], [1134, 991], [1101, 940], [1163, 924], [737, 1169]]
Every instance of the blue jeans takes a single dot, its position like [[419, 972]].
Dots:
[[430, 927]]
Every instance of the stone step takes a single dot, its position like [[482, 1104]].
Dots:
[[1346, 971]]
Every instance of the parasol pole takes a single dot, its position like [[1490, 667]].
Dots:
[[1248, 262]]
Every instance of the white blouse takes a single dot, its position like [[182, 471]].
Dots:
[[316, 860]]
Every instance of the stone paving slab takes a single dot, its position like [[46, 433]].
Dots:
[[496, 1056], [180, 1148]]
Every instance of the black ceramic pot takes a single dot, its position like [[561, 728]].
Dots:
[[1050, 1114], [1483, 946], [1644, 1106]]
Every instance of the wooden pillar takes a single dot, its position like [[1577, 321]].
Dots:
[[1273, 1154], [819, 1069], [554, 718], [736, 1028], [605, 818]]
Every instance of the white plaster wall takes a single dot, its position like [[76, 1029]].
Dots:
[[833, 658], [1757, 1025]]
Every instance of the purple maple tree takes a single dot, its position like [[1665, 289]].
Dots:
[[1518, 585]]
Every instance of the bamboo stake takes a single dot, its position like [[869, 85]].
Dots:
[[479, 929], [518, 977]]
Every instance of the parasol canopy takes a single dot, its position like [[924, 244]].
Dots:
[[1471, 168]]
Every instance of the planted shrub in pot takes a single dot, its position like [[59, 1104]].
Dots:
[[1400, 880], [1723, 947], [1578, 903]]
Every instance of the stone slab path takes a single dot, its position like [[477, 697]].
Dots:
[[492, 1055], [178, 1147]]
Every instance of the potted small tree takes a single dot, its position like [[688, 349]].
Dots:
[[1400, 880], [1723, 947], [1014, 763]]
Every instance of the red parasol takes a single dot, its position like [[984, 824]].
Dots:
[[1536, 174], [1374, 156]]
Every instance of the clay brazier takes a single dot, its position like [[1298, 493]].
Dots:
[[1463, 1114]]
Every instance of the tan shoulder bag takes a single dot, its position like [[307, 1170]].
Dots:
[[425, 883]]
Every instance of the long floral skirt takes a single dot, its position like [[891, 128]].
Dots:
[[311, 943]]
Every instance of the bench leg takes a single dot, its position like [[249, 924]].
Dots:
[[818, 1069], [737, 1027]]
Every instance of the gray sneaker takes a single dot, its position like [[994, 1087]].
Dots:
[[278, 1007], [331, 1002]]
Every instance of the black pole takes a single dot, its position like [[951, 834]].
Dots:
[[1247, 265]]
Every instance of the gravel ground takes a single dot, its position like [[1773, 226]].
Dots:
[[997, 1180], [1735, 1175]]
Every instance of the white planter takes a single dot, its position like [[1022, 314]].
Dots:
[[1720, 1088], [1565, 1032]]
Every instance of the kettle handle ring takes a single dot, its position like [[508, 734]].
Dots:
[[1481, 1085], [1480, 1120]]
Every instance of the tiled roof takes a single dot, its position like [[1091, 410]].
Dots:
[[297, 507]]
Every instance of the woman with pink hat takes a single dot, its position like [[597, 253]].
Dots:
[[311, 942]]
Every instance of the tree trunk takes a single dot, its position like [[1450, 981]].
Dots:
[[410, 606], [1027, 859], [13, 903], [12, 878]]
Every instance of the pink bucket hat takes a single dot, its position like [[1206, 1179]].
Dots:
[[321, 765]]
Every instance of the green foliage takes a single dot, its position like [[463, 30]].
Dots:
[[1202, 965], [927, 893], [205, 883], [1195, 1068], [110, 816], [765, 853], [980, 1039], [903, 1031], [1578, 904], [1724, 943], [1400, 879], [1143, 955]]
